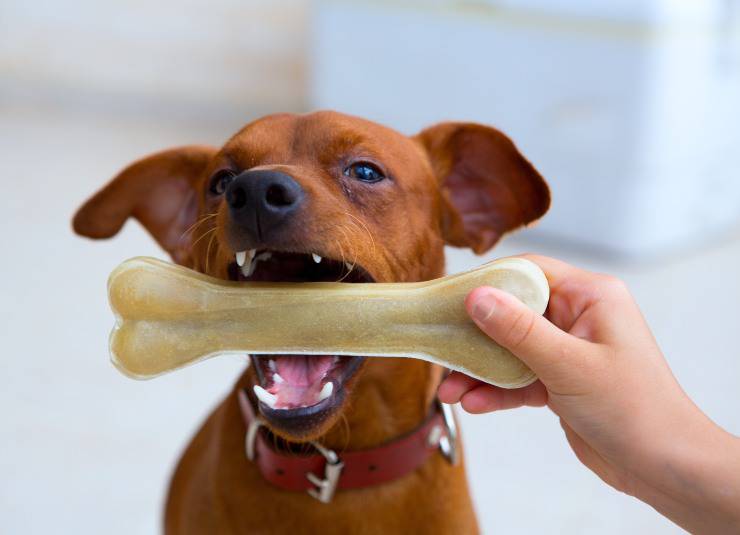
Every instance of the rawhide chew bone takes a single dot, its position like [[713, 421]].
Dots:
[[168, 316]]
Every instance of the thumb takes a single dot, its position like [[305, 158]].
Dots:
[[529, 336]]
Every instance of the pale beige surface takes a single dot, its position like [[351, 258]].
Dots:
[[168, 316]]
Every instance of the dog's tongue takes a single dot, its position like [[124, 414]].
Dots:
[[300, 379], [303, 370]]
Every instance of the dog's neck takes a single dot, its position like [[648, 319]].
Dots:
[[390, 399]]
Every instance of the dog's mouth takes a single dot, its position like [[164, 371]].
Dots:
[[293, 386], [298, 392]]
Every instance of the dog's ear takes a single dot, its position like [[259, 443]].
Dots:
[[159, 191], [488, 187]]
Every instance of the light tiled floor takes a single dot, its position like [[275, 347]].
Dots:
[[85, 450]]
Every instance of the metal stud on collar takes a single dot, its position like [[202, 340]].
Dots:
[[326, 487], [250, 439], [448, 443]]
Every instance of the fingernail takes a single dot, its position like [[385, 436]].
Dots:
[[483, 307]]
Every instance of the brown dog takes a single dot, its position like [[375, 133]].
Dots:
[[324, 196]]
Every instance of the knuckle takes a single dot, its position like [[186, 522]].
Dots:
[[613, 286]]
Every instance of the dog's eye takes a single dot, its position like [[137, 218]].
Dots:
[[364, 171], [220, 181]]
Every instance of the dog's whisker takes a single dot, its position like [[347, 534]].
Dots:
[[370, 234], [354, 261], [345, 423], [351, 226], [344, 262], [208, 250], [341, 251], [199, 222], [206, 233]]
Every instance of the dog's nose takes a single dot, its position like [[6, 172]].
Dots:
[[260, 201]]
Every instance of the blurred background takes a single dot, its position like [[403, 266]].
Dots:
[[629, 108]]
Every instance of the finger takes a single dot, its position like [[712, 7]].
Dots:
[[529, 336], [488, 398], [572, 290], [555, 270], [454, 386]]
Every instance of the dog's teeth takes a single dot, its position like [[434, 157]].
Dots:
[[326, 391], [245, 257], [265, 397], [349, 266], [316, 258], [277, 379], [271, 365], [248, 269]]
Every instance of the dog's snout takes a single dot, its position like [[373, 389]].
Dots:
[[260, 201]]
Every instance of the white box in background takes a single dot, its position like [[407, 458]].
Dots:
[[629, 109]]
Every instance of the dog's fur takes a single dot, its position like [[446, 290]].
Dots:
[[457, 183]]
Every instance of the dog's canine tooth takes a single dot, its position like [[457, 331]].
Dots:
[[326, 391], [349, 266], [277, 379], [248, 269], [245, 257], [271, 364], [316, 258], [265, 397]]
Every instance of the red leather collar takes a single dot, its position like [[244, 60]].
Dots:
[[321, 473]]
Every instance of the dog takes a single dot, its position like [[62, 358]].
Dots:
[[324, 197]]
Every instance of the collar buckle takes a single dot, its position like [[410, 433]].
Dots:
[[325, 488]]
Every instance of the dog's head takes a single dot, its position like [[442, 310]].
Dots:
[[326, 197]]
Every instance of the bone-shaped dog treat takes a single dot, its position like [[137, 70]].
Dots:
[[169, 316]]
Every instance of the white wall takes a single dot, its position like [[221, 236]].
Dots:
[[186, 57]]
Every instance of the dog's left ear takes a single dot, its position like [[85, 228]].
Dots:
[[488, 187], [158, 190]]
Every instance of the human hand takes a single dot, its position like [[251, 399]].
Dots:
[[623, 412]]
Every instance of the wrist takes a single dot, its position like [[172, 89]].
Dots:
[[694, 479]]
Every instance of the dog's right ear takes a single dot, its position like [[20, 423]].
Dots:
[[159, 191]]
